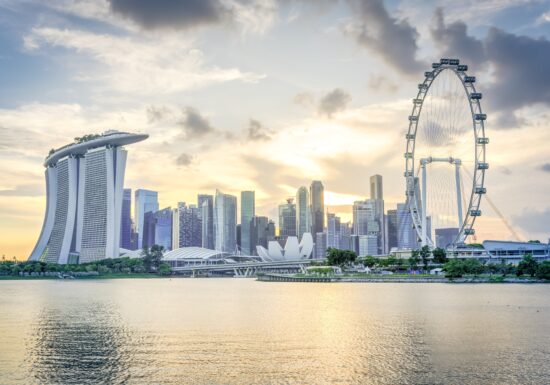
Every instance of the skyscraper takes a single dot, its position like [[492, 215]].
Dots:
[[317, 207], [391, 229], [248, 210], [303, 216], [368, 219], [333, 231], [126, 220], [145, 201], [148, 229], [445, 237], [406, 234], [163, 228], [376, 190], [84, 183], [320, 245], [225, 222], [206, 206], [189, 226], [287, 219]]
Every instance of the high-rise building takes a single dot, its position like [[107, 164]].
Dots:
[[206, 206], [333, 231], [148, 229], [406, 234], [368, 245], [368, 219], [345, 237], [225, 222], [190, 226], [248, 210], [176, 226], [376, 190], [145, 201], [287, 219], [163, 228], [317, 207], [84, 183], [126, 220], [320, 245], [445, 237], [391, 229], [303, 216]]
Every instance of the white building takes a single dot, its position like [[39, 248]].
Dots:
[[291, 252]]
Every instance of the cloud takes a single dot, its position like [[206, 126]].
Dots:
[[194, 124], [333, 102], [519, 78], [137, 66], [534, 221], [184, 160], [26, 190], [394, 40], [157, 114], [545, 167], [382, 83], [256, 15], [257, 132], [304, 99]]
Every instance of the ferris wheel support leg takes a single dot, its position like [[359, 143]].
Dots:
[[458, 193], [424, 221]]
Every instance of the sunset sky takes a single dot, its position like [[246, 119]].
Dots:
[[267, 95]]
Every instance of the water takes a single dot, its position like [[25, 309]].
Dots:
[[240, 331]]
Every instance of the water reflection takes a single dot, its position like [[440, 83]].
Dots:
[[76, 345]]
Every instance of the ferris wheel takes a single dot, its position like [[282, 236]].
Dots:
[[445, 142]]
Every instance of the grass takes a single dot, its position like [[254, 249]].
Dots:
[[100, 276]]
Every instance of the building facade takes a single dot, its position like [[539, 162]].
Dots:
[[445, 237], [248, 211], [287, 219], [303, 216], [225, 222], [126, 225], [84, 185], [145, 201], [317, 206], [206, 206]]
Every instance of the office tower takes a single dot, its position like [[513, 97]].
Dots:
[[163, 228], [445, 237], [145, 201], [368, 219], [391, 229], [126, 220], [260, 231], [248, 210], [303, 216], [320, 245], [376, 191], [354, 243], [317, 207], [225, 222], [368, 245], [287, 219], [84, 183], [176, 226], [406, 234], [190, 225], [148, 229], [206, 206], [333, 231], [345, 237]]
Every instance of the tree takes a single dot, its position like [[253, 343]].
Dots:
[[414, 259], [152, 257], [370, 261], [440, 255], [454, 268], [425, 255], [336, 257], [473, 266], [543, 271], [527, 266], [164, 269]]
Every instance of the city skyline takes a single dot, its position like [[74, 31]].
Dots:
[[230, 113]]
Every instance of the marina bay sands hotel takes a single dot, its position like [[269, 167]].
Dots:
[[84, 184]]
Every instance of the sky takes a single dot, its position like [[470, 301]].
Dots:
[[268, 95]]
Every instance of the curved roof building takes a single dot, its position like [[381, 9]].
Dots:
[[84, 183]]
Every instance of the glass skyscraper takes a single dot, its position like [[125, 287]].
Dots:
[[317, 207], [206, 207], [225, 222], [126, 220], [287, 219], [303, 216], [145, 201], [248, 210]]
